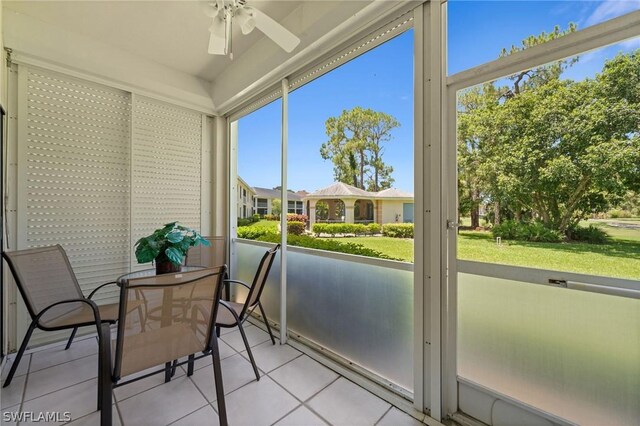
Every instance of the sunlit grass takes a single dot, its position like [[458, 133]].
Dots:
[[398, 248]]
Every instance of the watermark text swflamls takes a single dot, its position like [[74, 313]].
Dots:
[[32, 416]]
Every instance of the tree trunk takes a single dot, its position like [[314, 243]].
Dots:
[[496, 211], [361, 170], [475, 209]]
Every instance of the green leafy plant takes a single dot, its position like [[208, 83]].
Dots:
[[169, 243], [295, 228], [398, 230]]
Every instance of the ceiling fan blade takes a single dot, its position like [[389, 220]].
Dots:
[[272, 29], [217, 39]]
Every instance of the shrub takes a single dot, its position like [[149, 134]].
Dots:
[[591, 234], [253, 232], [533, 231], [340, 228], [398, 230], [374, 228], [256, 217], [619, 214], [291, 217], [328, 245], [271, 217], [295, 228], [245, 221]]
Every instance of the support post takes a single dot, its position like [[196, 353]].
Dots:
[[283, 216]]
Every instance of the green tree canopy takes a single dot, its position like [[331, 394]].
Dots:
[[356, 146], [551, 148]]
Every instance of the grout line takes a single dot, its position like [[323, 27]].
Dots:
[[115, 402], [24, 389], [287, 413], [186, 415], [59, 389], [383, 414], [310, 408], [62, 363]]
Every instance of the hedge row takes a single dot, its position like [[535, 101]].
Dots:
[[249, 220], [520, 231], [328, 245], [253, 232], [398, 230], [346, 228]]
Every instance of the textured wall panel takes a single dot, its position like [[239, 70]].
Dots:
[[166, 164]]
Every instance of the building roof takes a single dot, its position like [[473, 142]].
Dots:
[[340, 189], [393, 193], [242, 181], [274, 193]]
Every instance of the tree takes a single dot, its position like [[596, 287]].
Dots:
[[276, 207], [556, 150], [356, 146]]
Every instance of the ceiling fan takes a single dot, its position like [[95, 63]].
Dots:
[[227, 12]]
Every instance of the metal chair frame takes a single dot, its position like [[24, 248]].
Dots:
[[35, 317], [246, 309]]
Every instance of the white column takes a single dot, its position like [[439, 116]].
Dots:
[[349, 216], [312, 213]]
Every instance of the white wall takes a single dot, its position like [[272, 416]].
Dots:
[[33, 41], [389, 210]]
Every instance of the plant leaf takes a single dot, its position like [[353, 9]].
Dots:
[[175, 236], [174, 255], [145, 253]]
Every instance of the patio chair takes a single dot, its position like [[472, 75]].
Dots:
[[52, 295], [209, 257], [172, 335], [232, 314]]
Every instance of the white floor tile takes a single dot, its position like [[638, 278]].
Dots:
[[345, 403], [396, 417], [23, 367], [12, 394], [255, 336], [269, 356], [10, 412], [303, 377], [57, 355], [236, 372], [78, 400], [225, 352], [61, 376], [259, 403], [204, 416], [93, 419], [163, 404], [126, 391], [302, 416]]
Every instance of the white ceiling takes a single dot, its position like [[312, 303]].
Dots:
[[171, 33]]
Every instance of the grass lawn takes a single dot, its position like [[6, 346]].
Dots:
[[619, 258], [399, 248]]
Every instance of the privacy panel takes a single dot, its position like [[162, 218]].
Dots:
[[74, 174], [166, 164], [76, 151]]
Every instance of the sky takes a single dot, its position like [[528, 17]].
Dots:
[[382, 79]]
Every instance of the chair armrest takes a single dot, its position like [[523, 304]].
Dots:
[[91, 303], [242, 283], [99, 287]]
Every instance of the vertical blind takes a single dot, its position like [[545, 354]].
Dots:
[[98, 168]]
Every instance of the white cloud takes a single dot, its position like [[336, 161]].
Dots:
[[612, 9]]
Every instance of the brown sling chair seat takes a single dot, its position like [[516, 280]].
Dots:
[[180, 328], [53, 296]]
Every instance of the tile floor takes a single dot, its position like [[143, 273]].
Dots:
[[293, 389]]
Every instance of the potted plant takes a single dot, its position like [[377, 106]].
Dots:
[[168, 246]]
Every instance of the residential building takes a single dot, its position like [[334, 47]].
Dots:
[[246, 202]]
